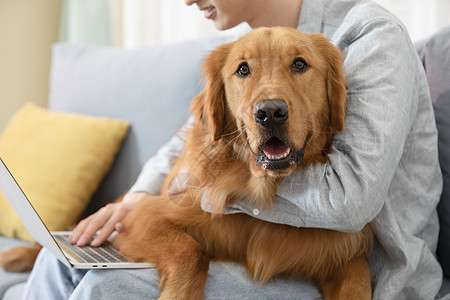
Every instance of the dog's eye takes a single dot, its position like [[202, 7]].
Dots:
[[243, 70], [299, 65]]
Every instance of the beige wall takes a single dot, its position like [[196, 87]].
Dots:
[[27, 29]]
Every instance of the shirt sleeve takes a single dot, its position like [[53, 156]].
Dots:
[[349, 191], [157, 168]]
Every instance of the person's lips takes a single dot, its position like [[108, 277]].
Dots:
[[209, 11]]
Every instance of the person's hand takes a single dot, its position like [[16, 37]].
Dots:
[[106, 220]]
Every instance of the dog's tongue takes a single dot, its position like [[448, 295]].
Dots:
[[276, 149]]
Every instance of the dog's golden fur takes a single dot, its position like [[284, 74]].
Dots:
[[19, 259], [173, 231]]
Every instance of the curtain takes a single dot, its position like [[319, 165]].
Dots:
[[140, 23], [85, 21], [421, 18], [149, 22], [133, 23]]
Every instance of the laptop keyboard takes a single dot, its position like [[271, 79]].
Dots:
[[103, 254]]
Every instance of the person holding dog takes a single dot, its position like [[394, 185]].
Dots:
[[383, 169]]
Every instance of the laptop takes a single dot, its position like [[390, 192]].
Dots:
[[87, 257]]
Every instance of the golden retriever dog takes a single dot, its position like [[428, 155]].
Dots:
[[271, 103]]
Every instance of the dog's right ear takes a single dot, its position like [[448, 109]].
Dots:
[[335, 79], [208, 106]]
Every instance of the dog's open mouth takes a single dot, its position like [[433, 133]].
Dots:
[[276, 149], [276, 155]]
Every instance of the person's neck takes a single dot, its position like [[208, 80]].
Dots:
[[277, 13]]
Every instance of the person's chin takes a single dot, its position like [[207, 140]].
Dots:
[[221, 25]]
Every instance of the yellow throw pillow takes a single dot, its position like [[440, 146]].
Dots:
[[59, 160]]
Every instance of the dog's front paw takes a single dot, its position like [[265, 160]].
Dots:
[[19, 259]]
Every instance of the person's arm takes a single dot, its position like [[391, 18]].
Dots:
[[157, 168], [349, 191], [109, 218]]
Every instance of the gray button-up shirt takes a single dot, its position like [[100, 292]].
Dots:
[[382, 169]]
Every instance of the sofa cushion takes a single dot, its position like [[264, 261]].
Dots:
[[59, 160], [435, 55], [151, 88]]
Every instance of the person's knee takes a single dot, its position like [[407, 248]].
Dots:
[[129, 283], [45, 257], [49, 279], [231, 281]]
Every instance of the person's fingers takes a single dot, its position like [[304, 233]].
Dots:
[[89, 226], [106, 220], [108, 227], [119, 227], [104, 233], [96, 224], [120, 212], [78, 230]]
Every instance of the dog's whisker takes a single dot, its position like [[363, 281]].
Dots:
[[230, 133]]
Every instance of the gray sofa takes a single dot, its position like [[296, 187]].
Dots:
[[151, 88]]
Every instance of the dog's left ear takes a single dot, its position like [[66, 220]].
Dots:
[[209, 106], [336, 82]]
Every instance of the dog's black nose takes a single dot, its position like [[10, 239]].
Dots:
[[271, 113]]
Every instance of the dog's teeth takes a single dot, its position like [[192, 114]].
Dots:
[[283, 155]]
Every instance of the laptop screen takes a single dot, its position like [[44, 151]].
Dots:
[[26, 212]]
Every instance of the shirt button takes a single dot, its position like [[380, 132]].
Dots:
[[256, 211]]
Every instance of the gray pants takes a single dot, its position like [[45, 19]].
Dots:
[[50, 279]]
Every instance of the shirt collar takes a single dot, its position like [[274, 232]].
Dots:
[[311, 16]]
